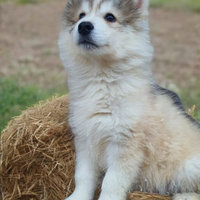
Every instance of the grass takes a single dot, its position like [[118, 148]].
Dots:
[[24, 1], [192, 5], [190, 96], [15, 97], [28, 1]]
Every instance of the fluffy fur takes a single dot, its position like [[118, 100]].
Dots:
[[125, 125]]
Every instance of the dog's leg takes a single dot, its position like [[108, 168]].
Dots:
[[186, 196], [86, 175], [122, 172]]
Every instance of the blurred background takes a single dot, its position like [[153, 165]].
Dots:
[[31, 70]]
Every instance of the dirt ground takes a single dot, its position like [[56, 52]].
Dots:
[[29, 34]]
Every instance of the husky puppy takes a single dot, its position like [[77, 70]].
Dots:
[[125, 125]]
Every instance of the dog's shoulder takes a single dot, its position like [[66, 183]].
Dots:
[[171, 95], [175, 100]]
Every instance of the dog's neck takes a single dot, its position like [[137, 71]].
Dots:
[[120, 75]]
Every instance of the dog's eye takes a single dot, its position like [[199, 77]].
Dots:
[[81, 15], [110, 17]]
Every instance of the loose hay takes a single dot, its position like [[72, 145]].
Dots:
[[38, 157]]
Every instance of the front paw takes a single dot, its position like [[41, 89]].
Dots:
[[69, 198], [74, 196], [186, 196], [79, 195], [111, 196]]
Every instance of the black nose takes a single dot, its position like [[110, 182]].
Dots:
[[85, 28]]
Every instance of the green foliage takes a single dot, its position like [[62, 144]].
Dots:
[[191, 96], [193, 5], [15, 97], [29, 1]]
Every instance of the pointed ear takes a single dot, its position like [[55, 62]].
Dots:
[[143, 6]]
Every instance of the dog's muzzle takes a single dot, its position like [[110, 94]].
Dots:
[[85, 30]]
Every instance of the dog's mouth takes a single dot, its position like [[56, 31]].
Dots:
[[87, 44]]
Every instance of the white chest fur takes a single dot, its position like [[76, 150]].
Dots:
[[103, 108]]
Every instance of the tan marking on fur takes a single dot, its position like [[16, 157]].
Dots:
[[71, 13], [165, 145], [129, 11], [139, 4]]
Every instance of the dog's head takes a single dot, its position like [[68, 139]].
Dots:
[[114, 29]]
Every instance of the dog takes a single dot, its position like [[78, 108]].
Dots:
[[126, 127]]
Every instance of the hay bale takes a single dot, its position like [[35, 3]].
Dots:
[[38, 157], [38, 153]]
